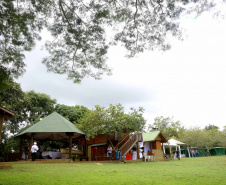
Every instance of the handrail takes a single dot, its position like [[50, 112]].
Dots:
[[129, 144], [123, 141]]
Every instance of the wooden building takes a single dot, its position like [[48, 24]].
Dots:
[[153, 144], [124, 143]]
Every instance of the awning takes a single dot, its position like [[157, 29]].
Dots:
[[99, 144]]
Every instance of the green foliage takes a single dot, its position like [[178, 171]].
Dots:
[[202, 138], [38, 105], [72, 113], [168, 127], [80, 43], [7, 144], [29, 106], [211, 127], [13, 98], [4, 79], [19, 27], [111, 120]]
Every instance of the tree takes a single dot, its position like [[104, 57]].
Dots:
[[20, 24], [72, 113], [38, 105], [4, 79], [13, 98], [110, 121], [168, 127], [79, 29], [203, 138], [211, 127]]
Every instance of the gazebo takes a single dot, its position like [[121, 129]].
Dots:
[[52, 128]]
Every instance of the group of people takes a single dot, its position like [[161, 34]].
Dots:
[[34, 149], [195, 153]]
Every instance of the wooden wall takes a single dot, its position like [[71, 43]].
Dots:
[[96, 140], [101, 151], [156, 145]]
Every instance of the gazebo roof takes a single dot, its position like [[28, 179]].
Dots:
[[53, 127], [153, 135]]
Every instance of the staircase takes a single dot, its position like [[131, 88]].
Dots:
[[128, 142], [123, 141]]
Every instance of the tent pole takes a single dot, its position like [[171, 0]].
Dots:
[[32, 141]]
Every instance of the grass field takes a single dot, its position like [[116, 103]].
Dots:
[[202, 170]]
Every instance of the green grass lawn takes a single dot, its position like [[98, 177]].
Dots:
[[202, 170]]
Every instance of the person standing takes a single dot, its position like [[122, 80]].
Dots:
[[109, 149], [94, 153], [197, 153], [26, 151], [34, 150], [193, 153], [178, 154]]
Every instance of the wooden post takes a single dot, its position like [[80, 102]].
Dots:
[[31, 143], [21, 141], [86, 148], [1, 124], [70, 145], [138, 150]]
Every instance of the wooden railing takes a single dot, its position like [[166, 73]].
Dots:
[[129, 145], [123, 141]]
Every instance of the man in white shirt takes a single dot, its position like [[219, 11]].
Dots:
[[109, 149], [34, 150]]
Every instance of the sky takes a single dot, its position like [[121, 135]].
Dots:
[[188, 82]]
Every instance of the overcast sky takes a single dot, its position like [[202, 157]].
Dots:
[[188, 82]]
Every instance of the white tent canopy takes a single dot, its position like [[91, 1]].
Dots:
[[176, 143]]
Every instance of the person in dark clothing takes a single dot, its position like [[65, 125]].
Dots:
[[178, 154], [94, 153], [34, 150], [197, 153], [27, 151]]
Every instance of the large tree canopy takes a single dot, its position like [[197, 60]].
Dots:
[[167, 126], [72, 113], [80, 28], [108, 121]]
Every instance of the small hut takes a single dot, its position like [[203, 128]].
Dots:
[[152, 144]]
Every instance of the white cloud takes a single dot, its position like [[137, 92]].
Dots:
[[187, 82]]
